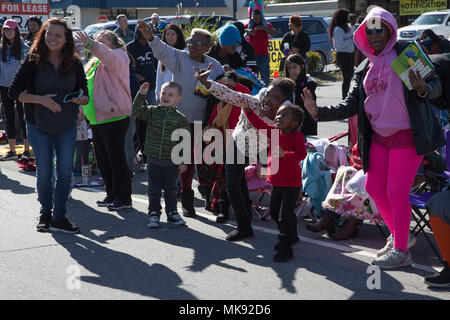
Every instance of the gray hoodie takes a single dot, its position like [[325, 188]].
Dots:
[[182, 67], [9, 68]]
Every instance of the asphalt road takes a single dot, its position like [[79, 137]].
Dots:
[[117, 257]]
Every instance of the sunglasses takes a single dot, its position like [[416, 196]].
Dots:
[[375, 31], [194, 42]]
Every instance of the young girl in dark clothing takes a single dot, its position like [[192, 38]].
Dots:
[[295, 69]]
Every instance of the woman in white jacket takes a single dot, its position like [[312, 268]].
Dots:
[[342, 37], [174, 37]]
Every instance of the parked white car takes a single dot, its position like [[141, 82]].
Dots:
[[438, 21]]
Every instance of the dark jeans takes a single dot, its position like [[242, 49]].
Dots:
[[263, 63], [238, 192], [345, 61], [162, 178], [109, 144], [81, 155], [9, 115], [282, 206]]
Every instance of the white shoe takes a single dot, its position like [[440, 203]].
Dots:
[[153, 220], [390, 244], [394, 259]]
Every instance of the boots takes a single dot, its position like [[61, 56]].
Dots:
[[325, 223], [223, 214], [208, 200], [348, 230], [187, 203], [284, 254]]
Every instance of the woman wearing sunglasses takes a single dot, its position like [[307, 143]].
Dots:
[[396, 128]]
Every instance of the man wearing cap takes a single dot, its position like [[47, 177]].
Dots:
[[155, 21], [225, 50]]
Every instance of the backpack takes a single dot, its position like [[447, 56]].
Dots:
[[336, 156]]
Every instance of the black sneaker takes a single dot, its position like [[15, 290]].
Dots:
[[439, 280], [44, 221], [105, 202], [10, 155], [119, 205], [64, 225]]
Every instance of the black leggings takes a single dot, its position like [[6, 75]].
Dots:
[[282, 206], [9, 115], [346, 63]]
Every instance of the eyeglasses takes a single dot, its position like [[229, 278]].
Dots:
[[370, 32], [194, 42]]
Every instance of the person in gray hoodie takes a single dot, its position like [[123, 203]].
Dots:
[[13, 51], [193, 104]]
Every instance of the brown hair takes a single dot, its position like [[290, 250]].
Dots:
[[174, 85], [296, 21], [39, 49], [181, 42], [16, 49]]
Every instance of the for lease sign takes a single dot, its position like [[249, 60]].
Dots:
[[22, 11]]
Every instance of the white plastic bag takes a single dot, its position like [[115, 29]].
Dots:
[[357, 184]]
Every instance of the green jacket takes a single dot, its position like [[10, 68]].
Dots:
[[161, 122]]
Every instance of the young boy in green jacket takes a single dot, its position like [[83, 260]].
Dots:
[[162, 121]]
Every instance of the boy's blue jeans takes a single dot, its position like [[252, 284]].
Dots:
[[45, 147]]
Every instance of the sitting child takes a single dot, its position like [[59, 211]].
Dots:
[[161, 121], [284, 173]]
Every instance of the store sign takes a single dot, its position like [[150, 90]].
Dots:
[[417, 7], [22, 11]]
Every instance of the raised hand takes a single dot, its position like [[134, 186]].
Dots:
[[202, 75], [143, 90], [309, 103], [145, 30], [83, 38]]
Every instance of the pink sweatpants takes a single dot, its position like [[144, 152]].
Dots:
[[389, 180]]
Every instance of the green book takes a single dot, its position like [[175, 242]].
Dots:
[[412, 58]]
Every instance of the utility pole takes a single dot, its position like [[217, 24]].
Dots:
[[234, 9]]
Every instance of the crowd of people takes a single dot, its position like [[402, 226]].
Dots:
[[146, 88]]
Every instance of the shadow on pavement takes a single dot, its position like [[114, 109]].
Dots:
[[13, 185]]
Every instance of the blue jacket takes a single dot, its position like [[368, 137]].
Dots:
[[9, 68], [316, 179]]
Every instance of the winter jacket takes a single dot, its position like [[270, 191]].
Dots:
[[112, 96]]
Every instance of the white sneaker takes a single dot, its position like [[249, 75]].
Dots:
[[388, 247], [394, 259], [390, 244], [153, 220]]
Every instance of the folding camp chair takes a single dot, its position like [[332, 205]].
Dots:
[[418, 200]]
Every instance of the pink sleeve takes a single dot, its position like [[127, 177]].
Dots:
[[110, 58]]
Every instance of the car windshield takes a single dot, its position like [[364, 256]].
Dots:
[[429, 19], [91, 30]]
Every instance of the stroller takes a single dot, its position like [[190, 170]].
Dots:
[[258, 185]]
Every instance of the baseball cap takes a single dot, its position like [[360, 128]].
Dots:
[[10, 24]]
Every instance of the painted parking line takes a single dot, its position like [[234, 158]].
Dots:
[[305, 239]]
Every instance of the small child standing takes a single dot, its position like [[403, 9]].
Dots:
[[295, 69], [161, 121], [82, 146], [286, 177]]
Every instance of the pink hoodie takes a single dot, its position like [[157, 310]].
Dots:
[[385, 103]]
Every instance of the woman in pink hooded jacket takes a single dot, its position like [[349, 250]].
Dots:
[[395, 128], [108, 77]]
